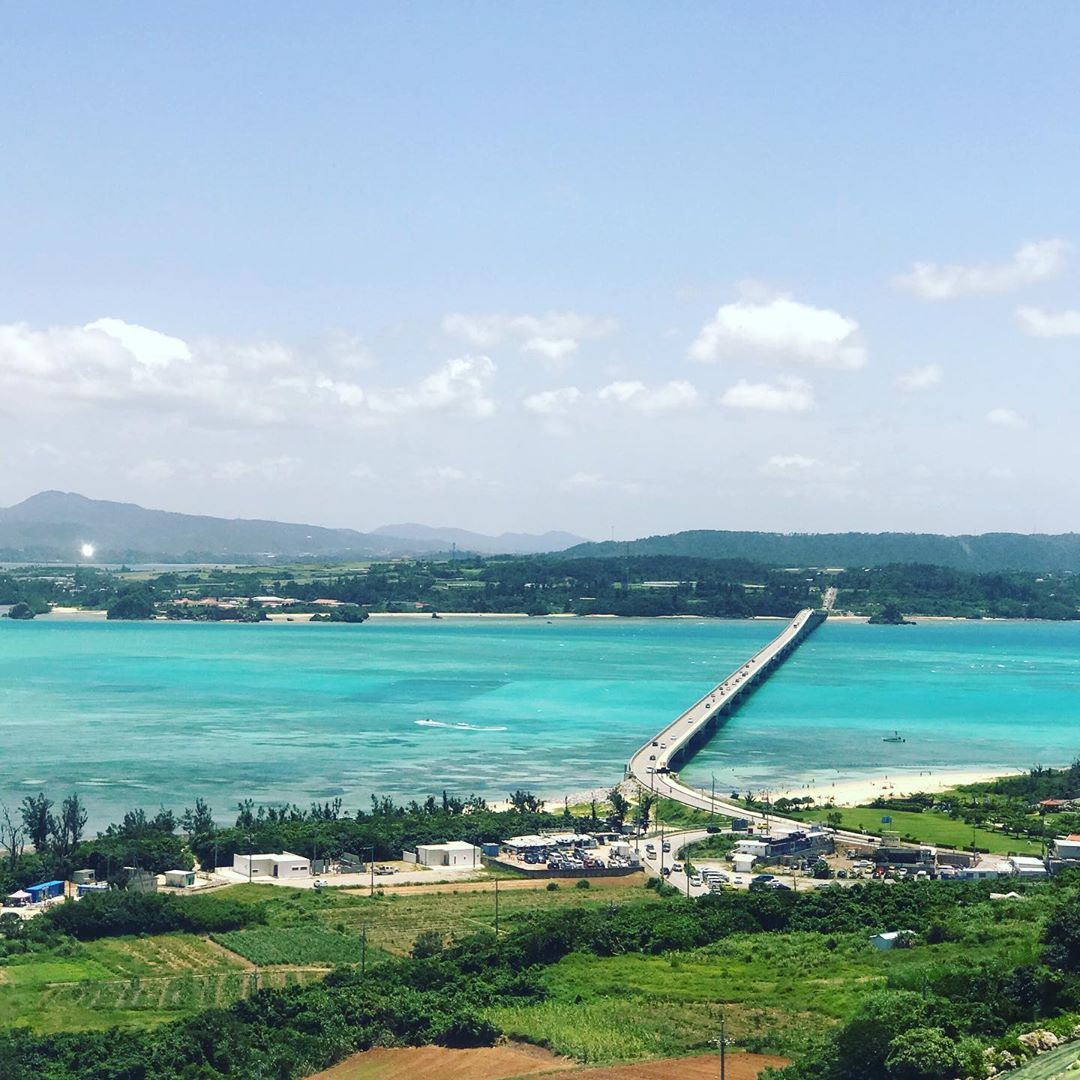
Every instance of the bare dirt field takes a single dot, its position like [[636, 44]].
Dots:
[[704, 1067], [519, 1060], [421, 1062], [507, 885]]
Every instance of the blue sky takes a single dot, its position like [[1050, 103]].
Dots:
[[579, 266]]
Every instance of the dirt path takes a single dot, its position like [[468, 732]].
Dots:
[[520, 1060]]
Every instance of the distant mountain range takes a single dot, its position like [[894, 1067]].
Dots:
[[503, 544], [983, 553], [53, 525]]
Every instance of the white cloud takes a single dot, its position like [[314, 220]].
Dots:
[[443, 473], [554, 337], [920, 378], [152, 470], [553, 402], [1029, 263], [590, 481], [780, 329], [487, 330], [1005, 418], [362, 472], [554, 350], [583, 481], [267, 468], [785, 395], [112, 365], [150, 348], [785, 463], [670, 396], [1048, 324], [460, 385], [344, 392]]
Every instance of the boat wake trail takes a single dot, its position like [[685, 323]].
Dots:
[[459, 726]]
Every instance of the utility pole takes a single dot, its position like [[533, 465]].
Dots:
[[722, 1044], [712, 802], [363, 950], [496, 909]]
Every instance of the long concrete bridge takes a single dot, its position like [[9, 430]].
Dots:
[[654, 765]]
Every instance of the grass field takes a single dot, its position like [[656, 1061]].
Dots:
[[116, 981], [394, 919], [928, 828], [777, 993]]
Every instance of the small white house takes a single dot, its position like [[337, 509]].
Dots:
[[1027, 866], [454, 853], [283, 866], [179, 879], [888, 939], [1068, 847], [743, 862], [758, 848]]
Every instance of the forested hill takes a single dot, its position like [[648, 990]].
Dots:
[[985, 553]]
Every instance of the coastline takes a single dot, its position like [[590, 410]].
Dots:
[[863, 790], [63, 613], [850, 792]]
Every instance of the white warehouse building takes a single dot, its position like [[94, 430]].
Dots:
[[455, 853], [283, 866]]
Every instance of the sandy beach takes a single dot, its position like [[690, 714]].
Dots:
[[860, 791]]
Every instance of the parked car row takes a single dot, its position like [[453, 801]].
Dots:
[[574, 860]]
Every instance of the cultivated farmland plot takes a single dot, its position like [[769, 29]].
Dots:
[[293, 945]]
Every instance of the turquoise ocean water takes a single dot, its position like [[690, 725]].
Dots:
[[157, 713]]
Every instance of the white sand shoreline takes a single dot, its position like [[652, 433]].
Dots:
[[858, 791], [848, 792]]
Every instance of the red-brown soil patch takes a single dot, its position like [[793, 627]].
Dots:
[[420, 1062], [520, 1060], [704, 1067]]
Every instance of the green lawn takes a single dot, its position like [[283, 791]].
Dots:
[[928, 828]]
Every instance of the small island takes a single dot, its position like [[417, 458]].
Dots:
[[890, 615], [21, 611]]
